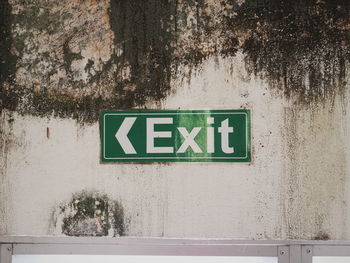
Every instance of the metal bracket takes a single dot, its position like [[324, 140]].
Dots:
[[306, 254], [6, 253], [295, 254], [283, 254]]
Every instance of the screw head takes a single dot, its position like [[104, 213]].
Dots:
[[282, 253], [9, 248], [308, 251]]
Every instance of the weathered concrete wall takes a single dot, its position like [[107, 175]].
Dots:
[[62, 62]]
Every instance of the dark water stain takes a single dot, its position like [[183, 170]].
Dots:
[[7, 59], [300, 47], [8, 142], [142, 32], [322, 236], [142, 45], [92, 214]]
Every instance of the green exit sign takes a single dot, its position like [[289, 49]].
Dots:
[[175, 136]]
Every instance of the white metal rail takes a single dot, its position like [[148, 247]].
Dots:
[[289, 251]]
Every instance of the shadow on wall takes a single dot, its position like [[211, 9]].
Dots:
[[89, 214]]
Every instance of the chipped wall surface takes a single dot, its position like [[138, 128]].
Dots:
[[64, 61]]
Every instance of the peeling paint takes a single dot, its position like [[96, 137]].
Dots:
[[90, 214]]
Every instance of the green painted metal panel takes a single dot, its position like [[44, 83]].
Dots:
[[175, 136]]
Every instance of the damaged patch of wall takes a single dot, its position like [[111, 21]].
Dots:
[[145, 42], [301, 47], [76, 58], [89, 214], [7, 58]]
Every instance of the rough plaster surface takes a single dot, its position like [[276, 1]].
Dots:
[[288, 191], [64, 61]]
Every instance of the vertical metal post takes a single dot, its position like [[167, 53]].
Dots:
[[295, 254], [283, 254], [306, 254], [5, 253]]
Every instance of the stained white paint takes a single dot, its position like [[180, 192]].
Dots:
[[295, 186]]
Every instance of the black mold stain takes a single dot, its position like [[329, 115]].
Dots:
[[301, 46], [7, 59], [142, 32], [69, 57], [92, 214], [322, 236]]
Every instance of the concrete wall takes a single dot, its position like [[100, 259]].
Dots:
[[62, 62]]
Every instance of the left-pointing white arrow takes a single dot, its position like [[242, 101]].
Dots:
[[122, 135]]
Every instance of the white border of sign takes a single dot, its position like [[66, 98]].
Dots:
[[170, 113]]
